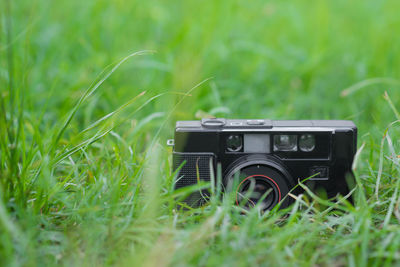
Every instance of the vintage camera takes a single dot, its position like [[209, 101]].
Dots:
[[263, 160]]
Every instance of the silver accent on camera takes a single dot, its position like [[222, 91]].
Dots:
[[170, 142]]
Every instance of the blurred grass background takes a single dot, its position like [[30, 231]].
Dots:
[[66, 199]]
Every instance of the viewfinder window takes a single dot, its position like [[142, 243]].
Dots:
[[256, 143]]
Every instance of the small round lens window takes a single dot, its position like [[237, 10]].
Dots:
[[307, 142], [234, 143]]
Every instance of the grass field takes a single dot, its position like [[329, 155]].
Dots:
[[85, 176]]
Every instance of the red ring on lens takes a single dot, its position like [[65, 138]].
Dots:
[[272, 180]]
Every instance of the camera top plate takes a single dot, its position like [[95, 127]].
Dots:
[[224, 123], [221, 124]]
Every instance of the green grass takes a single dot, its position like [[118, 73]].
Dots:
[[85, 176]]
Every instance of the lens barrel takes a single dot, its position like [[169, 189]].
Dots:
[[259, 180]]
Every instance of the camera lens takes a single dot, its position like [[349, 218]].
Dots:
[[256, 189], [259, 180], [307, 142], [234, 143], [285, 142]]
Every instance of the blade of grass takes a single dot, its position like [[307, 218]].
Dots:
[[392, 106], [188, 93], [92, 89], [360, 85], [93, 125], [378, 178]]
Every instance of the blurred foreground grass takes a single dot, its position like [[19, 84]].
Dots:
[[85, 177]]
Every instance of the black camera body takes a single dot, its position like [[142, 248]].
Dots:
[[263, 160]]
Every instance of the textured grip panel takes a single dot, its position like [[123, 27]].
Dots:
[[191, 162]]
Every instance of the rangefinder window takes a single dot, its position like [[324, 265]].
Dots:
[[285, 142], [315, 145], [256, 143]]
